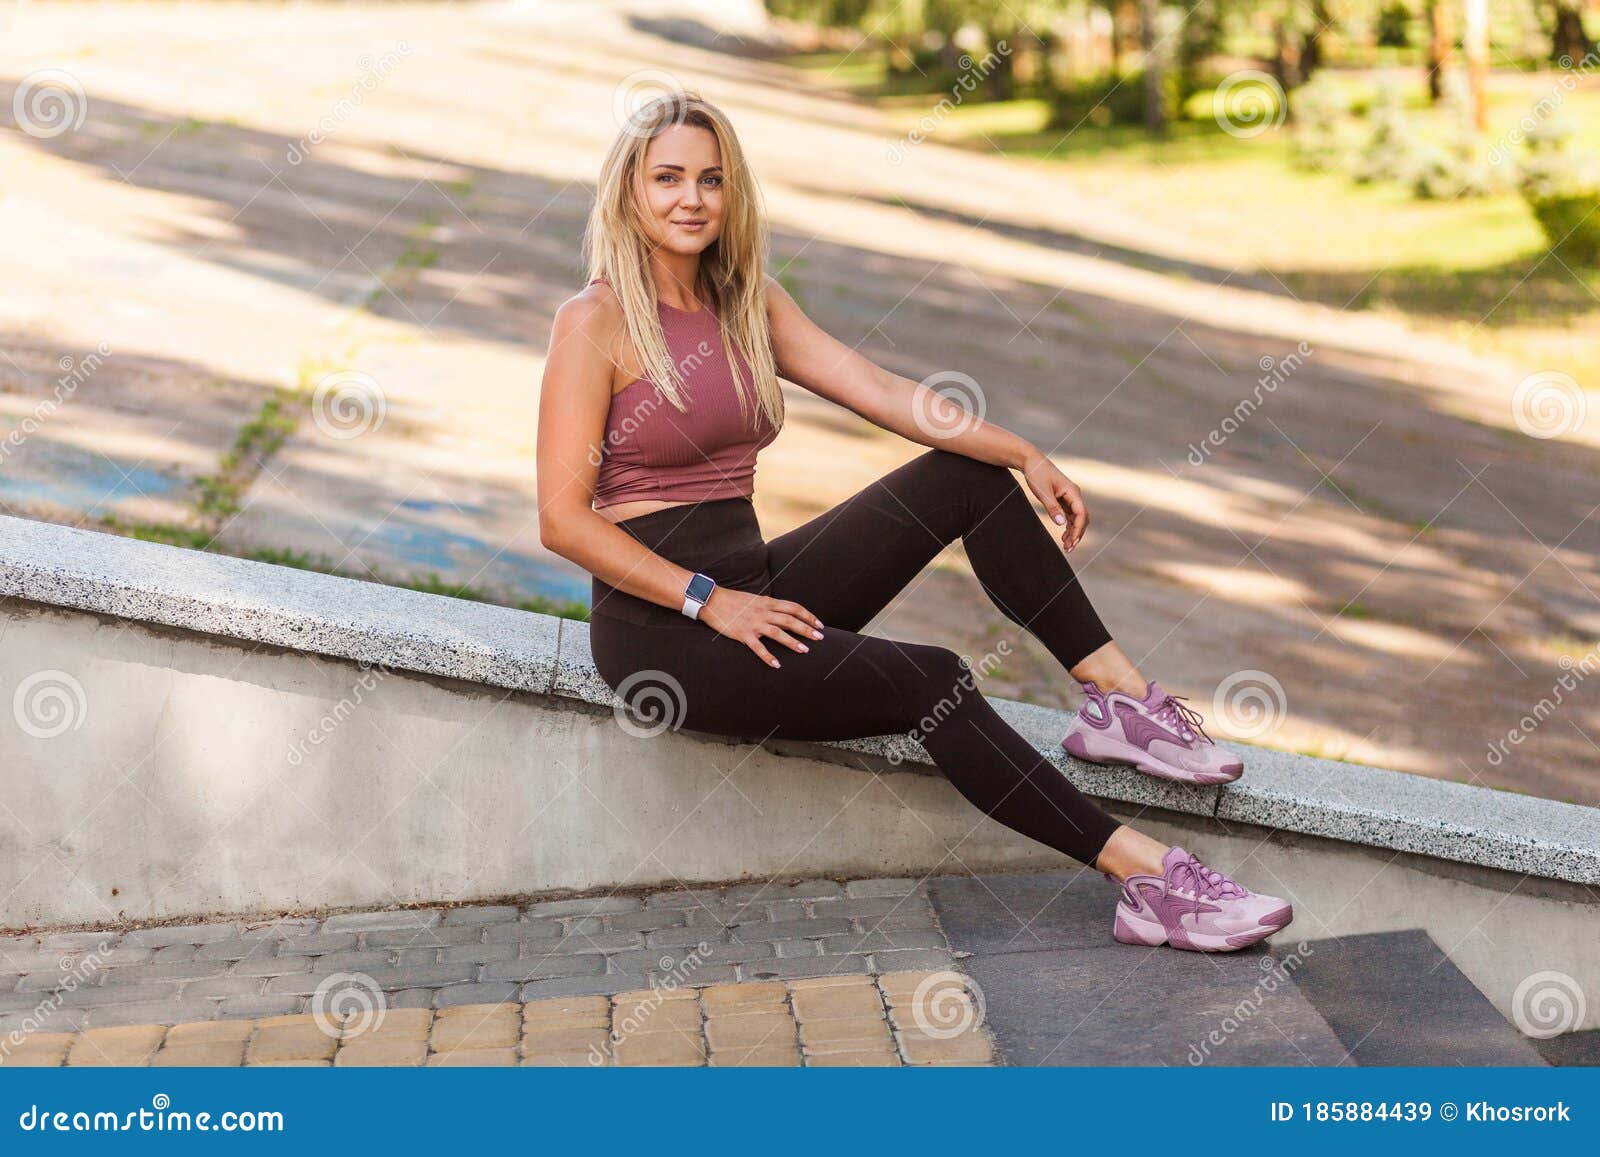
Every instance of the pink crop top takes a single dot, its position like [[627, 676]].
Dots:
[[651, 450]]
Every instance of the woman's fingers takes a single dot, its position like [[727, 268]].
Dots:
[[798, 611], [778, 635], [754, 643], [1080, 514], [800, 625]]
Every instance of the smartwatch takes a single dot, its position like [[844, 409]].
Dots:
[[697, 594]]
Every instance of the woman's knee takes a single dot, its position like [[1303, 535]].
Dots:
[[969, 475], [946, 685]]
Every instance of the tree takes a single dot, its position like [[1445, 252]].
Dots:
[[1568, 40], [1476, 45], [1155, 112], [1441, 39]]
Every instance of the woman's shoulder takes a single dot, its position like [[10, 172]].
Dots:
[[594, 311]]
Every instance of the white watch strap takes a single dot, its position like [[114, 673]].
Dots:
[[692, 608]]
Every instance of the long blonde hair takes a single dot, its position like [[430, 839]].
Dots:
[[617, 247]]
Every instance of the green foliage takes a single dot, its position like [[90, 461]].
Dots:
[[1390, 151], [1456, 168], [1563, 193], [1107, 100], [1320, 111], [1394, 25]]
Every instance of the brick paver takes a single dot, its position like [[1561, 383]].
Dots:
[[825, 1021], [472, 954]]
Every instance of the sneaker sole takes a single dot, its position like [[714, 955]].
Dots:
[[1129, 929], [1128, 755]]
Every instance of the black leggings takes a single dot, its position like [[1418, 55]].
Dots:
[[844, 566]]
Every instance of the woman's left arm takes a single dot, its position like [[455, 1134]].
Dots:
[[812, 358]]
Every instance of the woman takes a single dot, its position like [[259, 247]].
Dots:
[[661, 388]]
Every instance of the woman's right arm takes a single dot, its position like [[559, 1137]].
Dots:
[[573, 402]]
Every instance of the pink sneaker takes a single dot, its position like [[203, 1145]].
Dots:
[[1158, 734], [1191, 906]]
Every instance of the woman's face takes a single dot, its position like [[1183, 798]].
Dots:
[[683, 189]]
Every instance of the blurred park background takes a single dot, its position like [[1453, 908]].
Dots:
[[1304, 293]]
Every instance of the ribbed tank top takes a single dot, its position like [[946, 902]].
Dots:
[[651, 450]]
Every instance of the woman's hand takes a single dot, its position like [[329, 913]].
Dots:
[[749, 618], [1055, 490]]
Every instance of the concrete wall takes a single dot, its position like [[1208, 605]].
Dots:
[[193, 735], [154, 773]]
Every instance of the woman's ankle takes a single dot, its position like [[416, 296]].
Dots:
[[1130, 852], [1109, 669]]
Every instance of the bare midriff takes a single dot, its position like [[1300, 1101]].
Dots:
[[621, 510]]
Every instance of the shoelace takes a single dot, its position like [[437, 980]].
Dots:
[[1211, 884], [1180, 717]]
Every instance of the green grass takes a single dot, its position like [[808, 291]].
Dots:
[[1475, 268]]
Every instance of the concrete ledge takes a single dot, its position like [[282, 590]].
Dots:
[[499, 647]]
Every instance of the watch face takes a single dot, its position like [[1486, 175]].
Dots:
[[700, 588]]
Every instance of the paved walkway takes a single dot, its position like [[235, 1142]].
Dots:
[[820, 973], [901, 1018], [1010, 968]]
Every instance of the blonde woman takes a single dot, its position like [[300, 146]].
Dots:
[[660, 390]]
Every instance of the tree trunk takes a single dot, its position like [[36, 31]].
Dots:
[[1441, 41], [1155, 113], [1569, 42], [1311, 52], [1286, 67], [1476, 43]]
